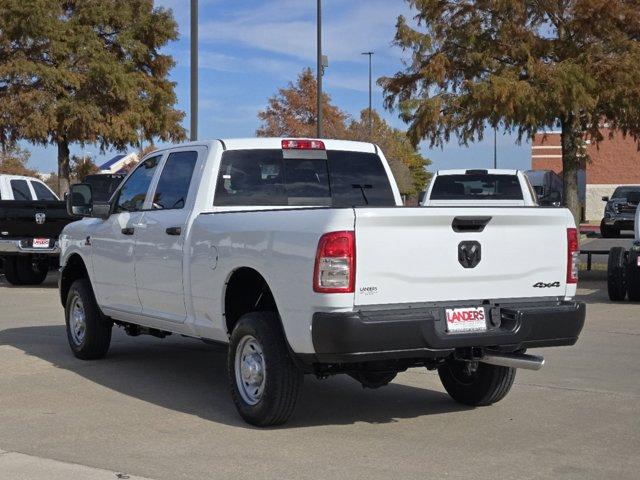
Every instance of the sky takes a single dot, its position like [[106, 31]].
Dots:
[[250, 48]]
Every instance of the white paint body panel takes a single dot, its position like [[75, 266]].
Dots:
[[409, 253], [6, 192]]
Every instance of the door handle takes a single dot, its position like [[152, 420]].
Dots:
[[127, 231], [173, 231]]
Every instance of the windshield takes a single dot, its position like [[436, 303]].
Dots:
[[476, 186], [623, 192], [333, 178]]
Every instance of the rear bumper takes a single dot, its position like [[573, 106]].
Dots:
[[623, 223], [421, 332], [24, 246]]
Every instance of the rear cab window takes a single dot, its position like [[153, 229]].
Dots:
[[476, 186], [274, 177], [42, 191], [20, 189]]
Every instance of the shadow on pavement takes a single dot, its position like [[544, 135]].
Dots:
[[50, 282], [189, 376]]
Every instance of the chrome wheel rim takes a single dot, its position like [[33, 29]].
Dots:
[[250, 369], [77, 321]]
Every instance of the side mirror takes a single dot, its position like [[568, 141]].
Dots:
[[421, 197], [605, 199], [79, 200], [80, 203]]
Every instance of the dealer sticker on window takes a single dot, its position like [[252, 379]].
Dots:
[[462, 320]]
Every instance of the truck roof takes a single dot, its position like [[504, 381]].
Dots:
[[276, 143], [489, 171]]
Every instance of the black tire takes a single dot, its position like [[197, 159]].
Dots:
[[96, 338], [31, 272], [281, 384], [608, 232], [633, 276], [486, 385], [11, 271], [617, 274]]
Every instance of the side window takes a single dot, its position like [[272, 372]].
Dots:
[[173, 186], [134, 190], [42, 192], [20, 190]]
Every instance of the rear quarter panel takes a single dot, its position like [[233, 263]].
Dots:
[[278, 244]]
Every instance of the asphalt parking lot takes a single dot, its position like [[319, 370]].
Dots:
[[161, 409]]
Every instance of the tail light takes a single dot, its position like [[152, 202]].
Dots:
[[573, 255], [335, 268], [302, 145]]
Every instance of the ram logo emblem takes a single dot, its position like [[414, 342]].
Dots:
[[40, 218], [469, 254]]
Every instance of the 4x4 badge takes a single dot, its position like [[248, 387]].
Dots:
[[546, 285]]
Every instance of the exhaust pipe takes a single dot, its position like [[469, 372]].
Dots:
[[521, 360]]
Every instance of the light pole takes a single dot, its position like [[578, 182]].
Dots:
[[194, 71], [495, 147], [370, 111], [319, 69]]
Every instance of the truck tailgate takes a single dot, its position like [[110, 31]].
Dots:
[[18, 218], [412, 255]]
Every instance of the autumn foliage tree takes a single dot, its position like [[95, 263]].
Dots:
[[525, 65], [14, 160], [292, 112], [86, 71]]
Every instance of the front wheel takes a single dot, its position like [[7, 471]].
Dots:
[[608, 232], [264, 381], [474, 383], [88, 331]]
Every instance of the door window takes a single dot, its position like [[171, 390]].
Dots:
[[42, 192], [134, 190], [20, 190], [173, 186]]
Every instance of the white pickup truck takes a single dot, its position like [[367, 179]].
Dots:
[[479, 187], [299, 254]]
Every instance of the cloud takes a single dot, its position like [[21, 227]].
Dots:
[[289, 28]]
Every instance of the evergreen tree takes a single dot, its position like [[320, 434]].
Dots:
[[526, 65], [86, 71]]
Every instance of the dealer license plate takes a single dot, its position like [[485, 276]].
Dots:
[[463, 320], [40, 243]]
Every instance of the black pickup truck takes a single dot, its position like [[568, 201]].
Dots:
[[29, 231]]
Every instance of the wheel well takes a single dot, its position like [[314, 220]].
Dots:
[[246, 291], [72, 271]]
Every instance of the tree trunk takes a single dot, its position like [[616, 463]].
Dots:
[[64, 171], [572, 161]]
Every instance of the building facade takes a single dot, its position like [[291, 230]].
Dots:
[[614, 161]]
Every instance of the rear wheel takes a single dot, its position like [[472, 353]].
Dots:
[[30, 271], [633, 275], [474, 383], [264, 381], [11, 271], [88, 331], [617, 274]]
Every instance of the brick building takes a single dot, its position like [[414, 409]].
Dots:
[[613, 162]]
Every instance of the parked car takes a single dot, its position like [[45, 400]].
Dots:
[[620, 210], [31, 219], [299, 255], [497, 187], [103, 185], [548, 186], [623, 269]]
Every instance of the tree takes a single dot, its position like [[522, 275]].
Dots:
[[406, 162], [293, 111], [13, 161], [81, 167], [86, 72], [525, 65]]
